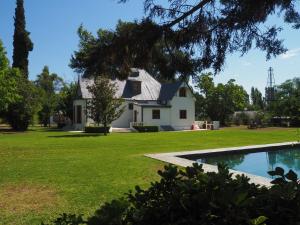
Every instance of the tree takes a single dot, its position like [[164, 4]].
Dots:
[[20, 112], [22, 43], [221, 100], [256, 99], [66, 97], [104, 107], [105, 54], [204, 30], [49, 86], [287, 102], [8, 82]]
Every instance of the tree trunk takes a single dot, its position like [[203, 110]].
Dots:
[[105, 128]]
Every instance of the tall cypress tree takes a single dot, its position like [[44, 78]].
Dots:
[[22, 43]]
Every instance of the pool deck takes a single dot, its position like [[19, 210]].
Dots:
[[176, 159]]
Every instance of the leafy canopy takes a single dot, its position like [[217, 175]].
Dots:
[[205, 31], [130, 45], [105, 106], [220, 101], [287, 97], [256, 99], [49, 84], [20, 112], [8, 81]]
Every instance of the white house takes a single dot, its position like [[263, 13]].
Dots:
[[170, 106]]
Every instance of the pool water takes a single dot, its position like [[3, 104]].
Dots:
[[258, 163]]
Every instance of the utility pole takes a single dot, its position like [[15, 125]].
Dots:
[[270, 88]]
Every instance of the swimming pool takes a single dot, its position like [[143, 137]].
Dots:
[[253, 161], [256, 161]]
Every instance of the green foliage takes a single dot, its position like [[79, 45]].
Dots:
[[104, 54], [105, 106], [20, 113], [66, 96], [4, 63], [18, 101], [68, 219], [204, 31], [146, 128], [22, 43], [8, 81], [190, 196], [110, 213], [49, 85], [256, 99], [287, 102], [219, 102], [259, 221], [96, 130]]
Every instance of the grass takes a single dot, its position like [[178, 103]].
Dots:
[[47, 172]]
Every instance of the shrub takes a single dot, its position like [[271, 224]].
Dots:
[[192, 197], [61, 125], [146, 128], [96, 130]]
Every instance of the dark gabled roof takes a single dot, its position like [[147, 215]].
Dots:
[[150, 88], [168, 90]]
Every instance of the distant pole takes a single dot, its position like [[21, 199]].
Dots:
[[270, 88]]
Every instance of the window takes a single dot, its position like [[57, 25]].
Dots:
[[156, 114], [182, 114], [79, 114], [182, 92], [130, 106], [136, 87]]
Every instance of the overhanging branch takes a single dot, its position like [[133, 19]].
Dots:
[[188, 13]]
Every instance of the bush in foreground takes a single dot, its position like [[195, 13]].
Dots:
[[192, 197]]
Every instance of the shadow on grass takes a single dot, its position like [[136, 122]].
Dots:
[[50, 129], [7, 130], [76, 135]]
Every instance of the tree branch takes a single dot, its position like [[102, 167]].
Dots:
[[188, 13]]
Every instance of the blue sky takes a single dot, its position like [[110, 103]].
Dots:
[[53, 25]]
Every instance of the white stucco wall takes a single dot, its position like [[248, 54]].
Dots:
[[125, 119], [183, 103], [122, 122], [164, 116]]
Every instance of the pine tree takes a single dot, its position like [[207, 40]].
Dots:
[[22, 43]]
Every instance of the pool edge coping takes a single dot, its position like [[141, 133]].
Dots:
[[174, 158]]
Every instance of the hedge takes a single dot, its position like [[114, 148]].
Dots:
[[146, 128], [193, 197], [96, 129]]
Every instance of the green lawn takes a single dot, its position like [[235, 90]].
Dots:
[[44, 172]]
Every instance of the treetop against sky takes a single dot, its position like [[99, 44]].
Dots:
[[53, 26]]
